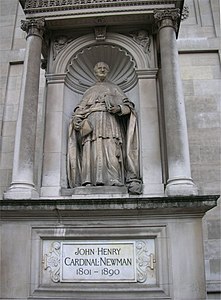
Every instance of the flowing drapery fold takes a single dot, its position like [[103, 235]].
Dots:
[[104, 149]]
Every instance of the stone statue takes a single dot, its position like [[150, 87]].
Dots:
[[103, 144]]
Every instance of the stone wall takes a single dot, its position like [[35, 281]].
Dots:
[[200, 70]]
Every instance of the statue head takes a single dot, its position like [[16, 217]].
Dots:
[[101, 70]]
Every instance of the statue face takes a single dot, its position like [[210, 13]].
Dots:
[[101, 70]]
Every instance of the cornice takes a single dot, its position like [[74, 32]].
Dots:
[[34, 6], [52, 9], [162, 207], [63, 14]]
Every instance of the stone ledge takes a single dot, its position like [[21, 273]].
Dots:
[[105, 191], [213, 286], [161, 206]]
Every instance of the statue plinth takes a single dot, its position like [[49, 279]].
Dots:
[[99, 190]]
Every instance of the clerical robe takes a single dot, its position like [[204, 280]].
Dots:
[[105, 149]]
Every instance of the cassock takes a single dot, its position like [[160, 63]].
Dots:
[[105, 149]]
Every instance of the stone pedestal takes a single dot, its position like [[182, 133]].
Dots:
[[74, 249], [22, 186]]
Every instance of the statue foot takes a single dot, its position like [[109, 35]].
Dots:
[[87, 184], [116, 183], [135, 187], [99, 183]]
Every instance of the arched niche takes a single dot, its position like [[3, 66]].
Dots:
[[75, 63], [127, 44], [70, 74], [80, 75]]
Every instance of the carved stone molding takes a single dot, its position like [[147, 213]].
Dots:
[[51, 261], [38, 6], [145, 261], [80, 74], [80, 50], [59, 44], [167, 18], [185, 13], [142, 38], [33, 26], [100, 33]]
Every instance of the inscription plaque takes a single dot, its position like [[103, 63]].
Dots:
[[98, 261]]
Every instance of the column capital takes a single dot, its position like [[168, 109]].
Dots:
[[167, 18], [33, 26]]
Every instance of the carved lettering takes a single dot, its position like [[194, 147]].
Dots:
[[101, 261]]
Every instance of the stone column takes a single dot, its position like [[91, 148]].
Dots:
[[22, 186], [179, 175]]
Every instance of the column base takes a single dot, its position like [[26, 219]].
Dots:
[[181, 187], [20, 192]]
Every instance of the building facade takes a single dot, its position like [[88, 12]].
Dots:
[[68, 45]]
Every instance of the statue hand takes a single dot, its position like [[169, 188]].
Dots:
[[114, 109], [77, 123]]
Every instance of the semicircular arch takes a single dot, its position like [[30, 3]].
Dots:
[[65, 57]]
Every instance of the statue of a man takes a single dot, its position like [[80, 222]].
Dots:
[[103, 144]]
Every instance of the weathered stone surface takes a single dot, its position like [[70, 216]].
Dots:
[[99, 190], [158, 205], [103, 137], [15, 252], [215, 265], [203, 118], [100, 219], [214, 229]]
